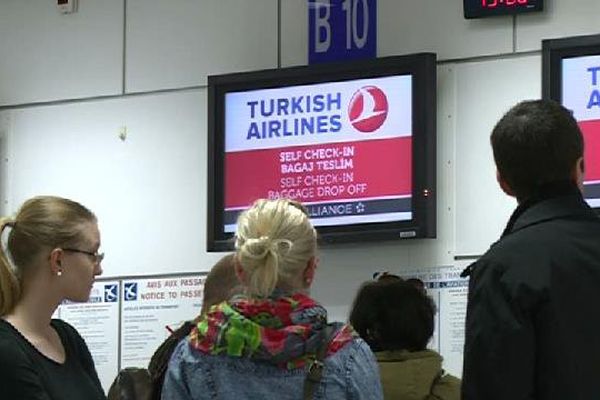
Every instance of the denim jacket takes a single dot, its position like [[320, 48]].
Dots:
[[350, 373]]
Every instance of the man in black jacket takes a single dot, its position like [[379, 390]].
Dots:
[[533, 329]]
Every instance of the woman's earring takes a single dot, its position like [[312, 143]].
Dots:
[[59, 272]]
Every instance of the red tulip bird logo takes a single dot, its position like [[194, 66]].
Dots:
[[368, 109]]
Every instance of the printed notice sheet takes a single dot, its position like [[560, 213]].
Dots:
[[449, 291], [151, 310]]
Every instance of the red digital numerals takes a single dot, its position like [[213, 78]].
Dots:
[[496, 3]]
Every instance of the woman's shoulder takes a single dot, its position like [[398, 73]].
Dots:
[[355, 354], [6, 330], [354, 358], [12, 349], [10, 340], [356, 371], [348, 345]]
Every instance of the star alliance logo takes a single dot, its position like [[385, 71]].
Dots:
[[360, 208]]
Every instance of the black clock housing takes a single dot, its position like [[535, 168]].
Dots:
[[490, 8]]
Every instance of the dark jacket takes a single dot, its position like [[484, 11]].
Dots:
[[533, 325]]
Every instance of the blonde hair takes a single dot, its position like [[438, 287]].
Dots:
[[42, 222], [274, 242]]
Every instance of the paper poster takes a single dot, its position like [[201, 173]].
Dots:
[[97, 321], [449, 291], [151, 309]]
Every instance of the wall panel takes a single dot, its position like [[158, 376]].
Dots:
[[46, 56], [178, 43]]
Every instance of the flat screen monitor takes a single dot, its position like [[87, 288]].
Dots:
[[571, 76], [353, 142]]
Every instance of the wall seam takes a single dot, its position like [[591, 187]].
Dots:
[[495, 57], [279, 16], [101, 98], [124, 72], [514, 35]]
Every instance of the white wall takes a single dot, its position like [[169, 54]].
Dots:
[[67, 84], [147, 190], [46, 56], [178, 43]]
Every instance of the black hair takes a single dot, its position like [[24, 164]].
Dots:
[[393, 314], [535, 143]]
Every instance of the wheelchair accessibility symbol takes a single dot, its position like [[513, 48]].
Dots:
[[130, 291], [111, 294]]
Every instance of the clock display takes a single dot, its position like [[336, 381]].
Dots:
[[488, 8]]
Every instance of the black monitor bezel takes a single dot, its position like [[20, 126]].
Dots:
[[421, 66], [472, 9], [556, 50]]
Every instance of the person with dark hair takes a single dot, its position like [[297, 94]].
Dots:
[[52, 254], [396, 318], [527, 333], [272, 341]]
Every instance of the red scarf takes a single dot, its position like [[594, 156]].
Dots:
[[284, 331]]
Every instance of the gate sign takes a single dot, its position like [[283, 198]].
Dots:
[[341, 30]]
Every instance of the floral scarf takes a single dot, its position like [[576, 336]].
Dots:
[[285, 331]]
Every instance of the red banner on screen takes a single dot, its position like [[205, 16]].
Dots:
[[591, 137], [323, 172]]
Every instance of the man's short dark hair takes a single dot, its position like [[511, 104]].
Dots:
[[393, 314], [535, 143]]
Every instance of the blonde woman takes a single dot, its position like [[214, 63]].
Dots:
[[51, 255], [261, 345]]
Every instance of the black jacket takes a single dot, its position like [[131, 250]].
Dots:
[[533, 316]]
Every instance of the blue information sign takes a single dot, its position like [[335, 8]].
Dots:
[[341, 30]]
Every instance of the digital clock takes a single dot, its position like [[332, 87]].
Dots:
[[489, 8]]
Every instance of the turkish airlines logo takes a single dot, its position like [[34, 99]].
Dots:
[[368, 109]]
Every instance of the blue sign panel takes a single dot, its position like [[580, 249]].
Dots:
[[130, 291], [111, 293], [341, 30]]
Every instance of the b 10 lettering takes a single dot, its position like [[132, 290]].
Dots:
[[350, 8]]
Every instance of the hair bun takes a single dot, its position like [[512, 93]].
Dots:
[[258, 248], [282, 246]]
